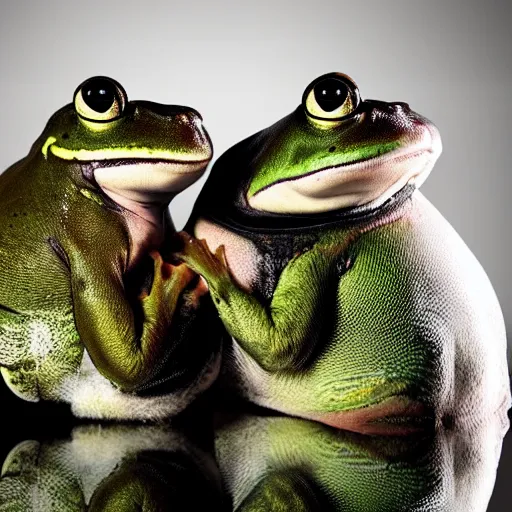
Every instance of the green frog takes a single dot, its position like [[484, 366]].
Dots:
[[350, 300], [92, 312], [105, 468], [291, 464]]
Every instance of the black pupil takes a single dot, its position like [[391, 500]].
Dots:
[[330, 94], [99, 95]]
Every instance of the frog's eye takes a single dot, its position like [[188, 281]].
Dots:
[[100, 99], [331, 97]]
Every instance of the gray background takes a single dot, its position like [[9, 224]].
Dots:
[[243, 66]]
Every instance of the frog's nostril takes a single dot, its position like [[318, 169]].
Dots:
[[160, 109], [195, 113], [188, 112], [387, 107]]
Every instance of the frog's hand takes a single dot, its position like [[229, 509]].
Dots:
[[282, 334], [282, 491], [192, 297], [122, 350]]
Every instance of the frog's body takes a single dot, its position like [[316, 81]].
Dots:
[[109, 468], [292, 464], [80, 319], [350, 299]]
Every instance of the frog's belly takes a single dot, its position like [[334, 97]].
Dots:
[[377, 403], [38, 353], [93, 396], [42, 358], [385, 404]]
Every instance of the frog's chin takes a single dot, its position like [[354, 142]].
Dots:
[[367, 182], [147, 181]]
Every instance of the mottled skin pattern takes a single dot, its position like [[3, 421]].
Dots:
[[90, 313], [349, 298], [287, 464], [115, 468]]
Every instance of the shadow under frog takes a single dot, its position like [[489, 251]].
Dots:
[[90, 313]]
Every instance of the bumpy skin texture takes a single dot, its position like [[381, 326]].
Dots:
[[90, 313], [373, 317], [287, 464], [117, 468]]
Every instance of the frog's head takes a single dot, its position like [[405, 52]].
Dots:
[[335, 151], [135, 150]]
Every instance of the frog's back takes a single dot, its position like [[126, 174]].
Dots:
[[32, 277], [39, 343], [416, 329]]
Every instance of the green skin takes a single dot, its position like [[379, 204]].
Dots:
[[109, 468], [75, 264], [298, 465], [344, 308]]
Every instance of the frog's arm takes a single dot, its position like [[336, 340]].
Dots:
[[156, 481], [280, 335], [134, 485], [282, 491], [123, 347]]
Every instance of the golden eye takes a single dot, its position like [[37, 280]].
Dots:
[[331, 97], [100, 99]]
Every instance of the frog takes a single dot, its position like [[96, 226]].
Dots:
[[349, 299], [109, 467], [93, 310], [300, 465]]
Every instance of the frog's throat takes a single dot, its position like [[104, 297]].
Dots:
[[121, 153], [367, 181], [245, 223]]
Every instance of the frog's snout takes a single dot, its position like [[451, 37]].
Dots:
[[394, 108], [169, 111]]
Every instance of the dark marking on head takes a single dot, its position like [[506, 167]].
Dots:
[[65, 135], [332, 148]]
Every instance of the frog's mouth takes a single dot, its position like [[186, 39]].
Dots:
[[113, 156], [139, 173], [368, 181], [143, 179], [180, 165]]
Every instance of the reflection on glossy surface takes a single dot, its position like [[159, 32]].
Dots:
[[110, 469], [286, 464], [264, 464]]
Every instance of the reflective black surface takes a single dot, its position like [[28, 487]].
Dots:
[[252, 460]]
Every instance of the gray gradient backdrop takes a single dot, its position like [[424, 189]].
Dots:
[[243, 66]]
